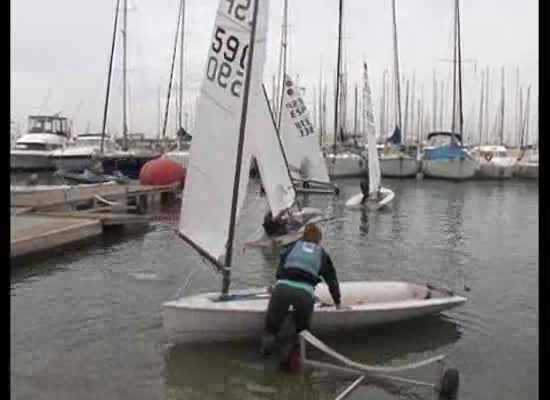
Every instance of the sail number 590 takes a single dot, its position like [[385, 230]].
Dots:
[[221, 72]]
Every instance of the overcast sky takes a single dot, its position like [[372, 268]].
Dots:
[[60, 50]]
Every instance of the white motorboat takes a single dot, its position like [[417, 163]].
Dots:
[[32, 152], [204, 317], [227, 137], [82, 153], [494, 162]]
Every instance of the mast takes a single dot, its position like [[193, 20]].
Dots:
[[454, 72], [355, 113], [338, 62], [396, 68], [501, 130], [180, 15], [459, 45], [124, 82], [182, 32], [481, 111], [434, 116], [282, 62], [405, 125], [109, 74], [234, 202]]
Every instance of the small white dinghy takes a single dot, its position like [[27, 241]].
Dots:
[[385, 197], [378, 196], [227, 137], [206, 318]]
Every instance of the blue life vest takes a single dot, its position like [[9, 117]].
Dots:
[[305, 256]]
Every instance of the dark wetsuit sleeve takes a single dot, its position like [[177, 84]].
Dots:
[[328, 273]]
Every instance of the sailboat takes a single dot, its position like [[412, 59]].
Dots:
[[394, 162], [301, 143], [451, 159], [378, 195], [341, 161], [214, 196]]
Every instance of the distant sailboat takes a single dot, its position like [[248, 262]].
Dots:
[[378, 196], [451, 160], [394, 162]]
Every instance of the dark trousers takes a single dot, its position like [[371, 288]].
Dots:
[[282, 297]]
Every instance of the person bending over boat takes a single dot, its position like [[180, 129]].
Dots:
[[282, 224], [302, 265]]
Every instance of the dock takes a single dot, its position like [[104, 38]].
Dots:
[[48, 218]]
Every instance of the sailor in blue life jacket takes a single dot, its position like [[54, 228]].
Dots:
[[302, 265]]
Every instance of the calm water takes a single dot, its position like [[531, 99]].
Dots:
[[87, 324]]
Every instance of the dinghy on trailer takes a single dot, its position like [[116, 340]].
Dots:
[[214, 196], [378, 196]]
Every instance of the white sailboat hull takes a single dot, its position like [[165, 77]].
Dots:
[[202, 318], [497, 168], [345, 165], [527, 170], [398, 166], [31, 160], [457, 168], [387, 197]]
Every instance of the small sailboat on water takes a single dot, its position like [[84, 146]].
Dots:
[[213, 198], [376, 196]]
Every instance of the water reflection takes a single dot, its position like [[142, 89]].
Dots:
[[235, 371]]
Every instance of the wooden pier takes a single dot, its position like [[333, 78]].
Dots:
[[49, 218]]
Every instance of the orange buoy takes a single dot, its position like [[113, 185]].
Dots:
[[162, 171]]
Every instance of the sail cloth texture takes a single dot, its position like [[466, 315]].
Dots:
[[267, 150], [374, 163], [208, 194], [300, 140]]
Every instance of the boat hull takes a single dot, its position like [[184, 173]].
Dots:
[[399, 167], [181, 157], [527, 170], [73, 163], [493, 170], [31, 160], [202, 318], [355, 201], [456, 168], [345, 165]]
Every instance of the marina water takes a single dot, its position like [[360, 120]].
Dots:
[[86, 322]]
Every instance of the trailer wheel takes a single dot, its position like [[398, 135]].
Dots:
[[449, 385]]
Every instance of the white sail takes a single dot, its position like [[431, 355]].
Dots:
[[208, 194], [300, 141], [278, 187], [374, 163]]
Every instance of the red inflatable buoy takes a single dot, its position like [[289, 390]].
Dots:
[[161, 171]]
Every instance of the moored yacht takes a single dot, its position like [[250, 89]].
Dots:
[[32, 152]]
